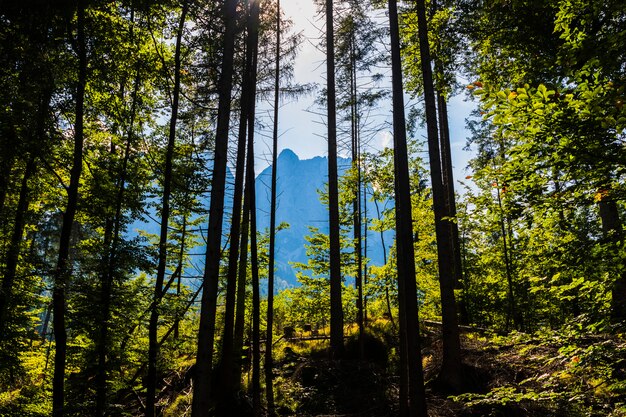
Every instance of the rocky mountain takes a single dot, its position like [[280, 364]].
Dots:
[[298, 205], [298, 182]]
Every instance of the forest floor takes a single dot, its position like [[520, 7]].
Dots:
[[546, 374]]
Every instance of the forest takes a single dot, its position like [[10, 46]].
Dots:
[[135, 280]]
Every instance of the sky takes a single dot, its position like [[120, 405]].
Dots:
[[303, 131]]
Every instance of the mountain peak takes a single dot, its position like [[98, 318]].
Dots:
[[288, 155]]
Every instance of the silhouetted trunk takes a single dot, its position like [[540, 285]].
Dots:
[[365, 276], [226, 395], [613, 231], [228, 372], [241, 289], [253, 30], [181, 260], [448, 183], [336, 311], [62, 272], [412, 399], [254, 265], [153, 346], [5, 172], [111, 241], [227, 369], [356, 202], [450, 374], [269, 337], [382, 241], [512, 306], [206, 333], [13, 251]]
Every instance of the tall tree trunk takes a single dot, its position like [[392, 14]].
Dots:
[[206, 332], [512, 307], [13, 252], [254, 265], [112, 238], [62, 272], [253, 30], [6, 165], [241, 288], [269, 337], [365, 276], [448, 183], [613, 231], [19, 224], [413, 401], [181, 261], [336, 311], [153, 345], [228, 372], [356, 202], [450, 374], [382, 242]]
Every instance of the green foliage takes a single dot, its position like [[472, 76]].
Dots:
[[573, 371]]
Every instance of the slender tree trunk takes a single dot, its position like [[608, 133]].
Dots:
[[112, 238], [356, 202], [228, 372], [254, 265], [382, 241], [206, 333], [181, 260], [241, 288], [448, 183], [153, 345], [5, 173], [512, 310], [336, 311], [13, 252], [62, 272], [450, 374], [365, 276], [413, 401], [269, 337], [253, 29], [613, 231]]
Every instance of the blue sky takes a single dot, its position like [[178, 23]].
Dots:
[[304, 132]]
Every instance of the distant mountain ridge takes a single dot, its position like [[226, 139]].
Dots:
[[298, 182], [299, 205]]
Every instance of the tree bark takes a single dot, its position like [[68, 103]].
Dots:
[[336, 311], [356, 202], [13, 252], [241, 288], [62, 271], [206, 333], [153, 345], [450, 374], [269, 337], [253, 28], [613, 231], [413, 401], [448, 183], [111, 240]]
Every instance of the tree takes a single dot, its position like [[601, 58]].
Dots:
[[269, 339], [336, 316], [450, 373], [165, 214], [206, 333], [412, 395], [63, 268]]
